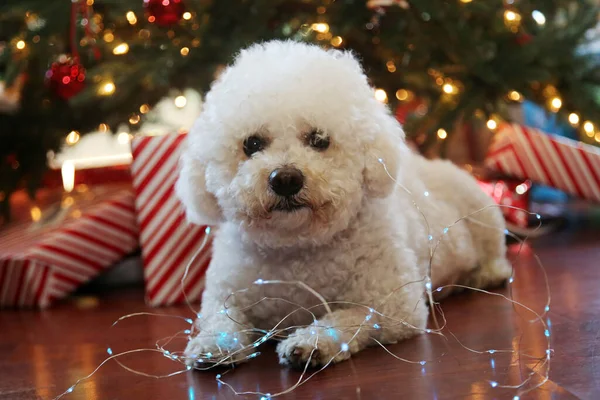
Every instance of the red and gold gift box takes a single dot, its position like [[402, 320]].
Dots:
[[562, 163], [168, 242], [65, 245]]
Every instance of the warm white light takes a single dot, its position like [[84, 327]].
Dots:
[[336, 41], [107, 88], [597, 137], [402, 94], [180, 101], [515, 96], [573, 118], [20, 45], [131, 18], [320, 27], [187, 16], [72, 138], [68, 175], [588, 127], [123, 48], [381, 95], [521, 189], [539, 17], [491, 124], [556, 104], [449, 88], [511, 16], [134, 119], [36, 213], [184, 51], [442, 134]]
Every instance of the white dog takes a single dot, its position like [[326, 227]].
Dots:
[[307, 176]]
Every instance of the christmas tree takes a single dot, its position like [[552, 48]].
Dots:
[[71, 67]]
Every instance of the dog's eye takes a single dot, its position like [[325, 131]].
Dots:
[[254, 144], [318, 140]]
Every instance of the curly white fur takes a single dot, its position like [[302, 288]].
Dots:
[[358, 239]]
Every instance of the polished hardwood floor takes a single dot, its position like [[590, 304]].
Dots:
[[44, 353]]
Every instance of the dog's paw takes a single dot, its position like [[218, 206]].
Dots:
[[490, 275], [209, 350], [312, 346]]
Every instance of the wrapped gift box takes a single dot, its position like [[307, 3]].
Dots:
[[168, 242], [512, 196], [551, 160], [65, 245]]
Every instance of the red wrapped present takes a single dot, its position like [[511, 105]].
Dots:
[[65, 245], [554, 161], [513, 196], [91, 176], [168, 242]]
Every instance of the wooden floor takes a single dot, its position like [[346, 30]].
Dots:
[[43, 353]]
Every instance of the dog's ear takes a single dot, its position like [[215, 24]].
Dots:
[[201, 206], [384, 154]]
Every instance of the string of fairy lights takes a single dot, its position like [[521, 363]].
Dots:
[[232, 350]]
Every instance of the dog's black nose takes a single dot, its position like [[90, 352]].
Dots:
[[286, 181]]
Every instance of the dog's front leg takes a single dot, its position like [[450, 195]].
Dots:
[[344, 332], [222, 336]]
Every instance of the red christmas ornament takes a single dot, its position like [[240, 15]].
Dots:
[[66, 77], [164, 12], [524, 39]]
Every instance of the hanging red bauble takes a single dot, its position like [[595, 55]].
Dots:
[[66, 77], [164, 12], [524, 39]]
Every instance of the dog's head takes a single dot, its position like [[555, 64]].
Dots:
[[289, 145]]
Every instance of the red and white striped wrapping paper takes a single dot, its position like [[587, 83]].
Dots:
[[39, 264], [555, 161], [168, 242]]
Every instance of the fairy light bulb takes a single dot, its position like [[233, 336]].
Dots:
[[107, 88], [187, 15], [131, 18], [134, 119], [36, 214], [449, 88], [320, 27], [337, 41], [184, 51], [402, 94], [491, 124], [556, 104], [381, 95], [574, 119], [521, 189], [108, 37], [511, 16], [515, 96], [597, 137], [144, 108], [72, 138], [538, 17], [20, 44], [589, 128], [180, 101], [121, 49], [442, 134]]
